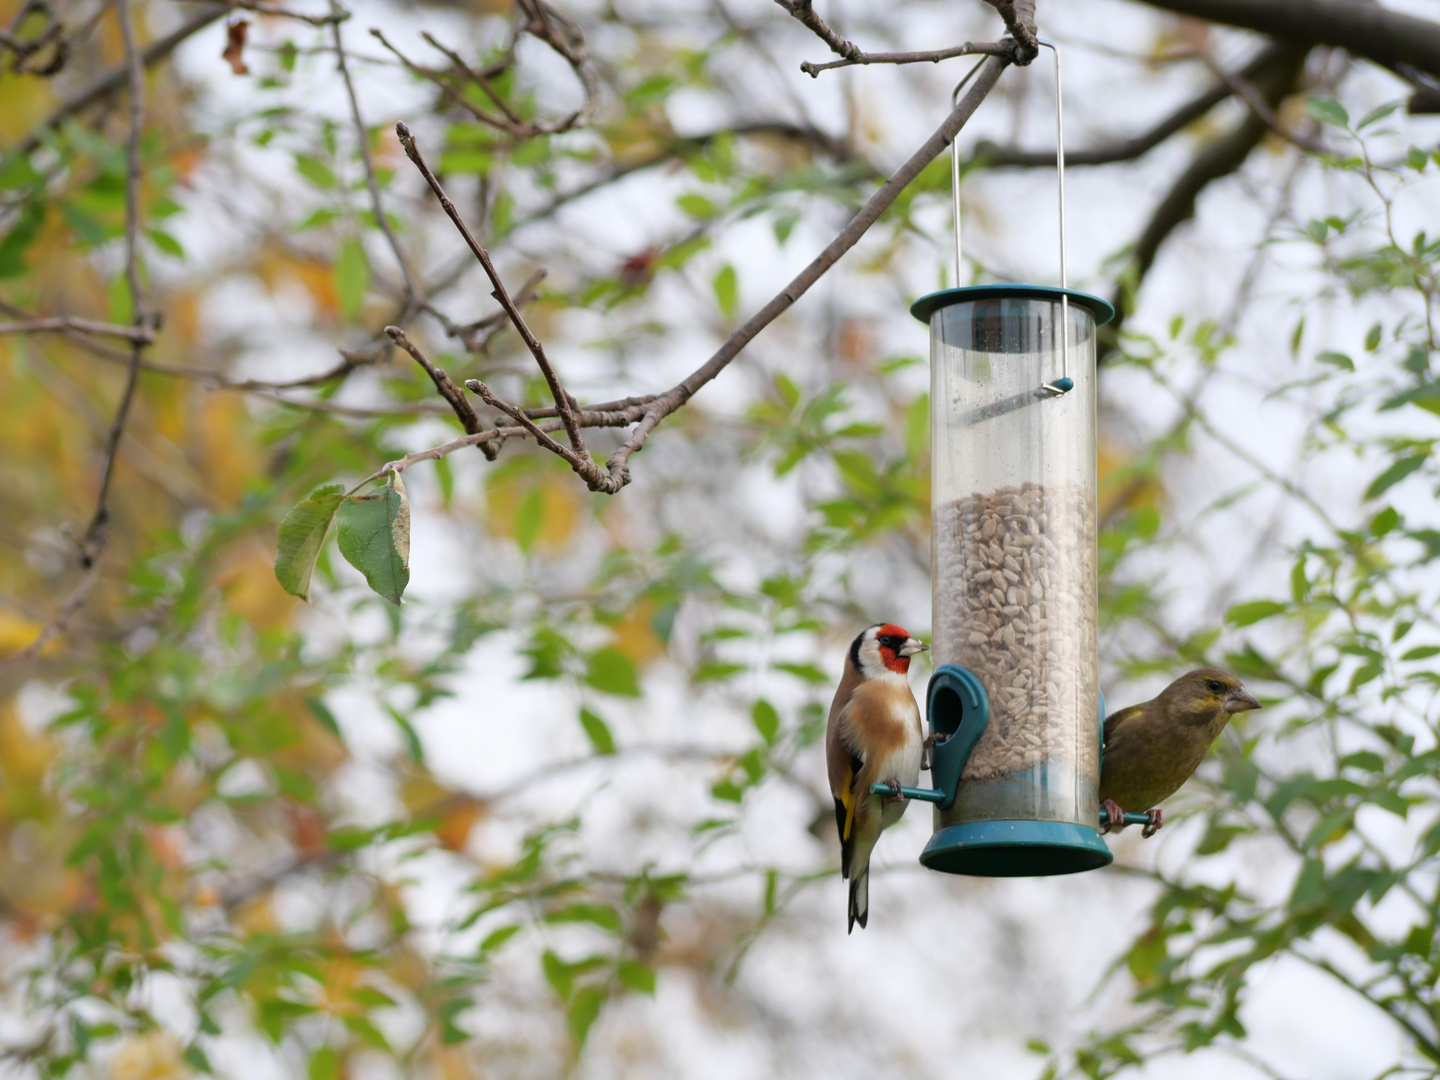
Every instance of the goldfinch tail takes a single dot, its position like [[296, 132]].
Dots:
[[859, 897]]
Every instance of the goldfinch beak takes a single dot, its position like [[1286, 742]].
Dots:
[[1240, 701], [911, 647]]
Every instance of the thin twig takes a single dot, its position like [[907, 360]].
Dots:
[[581, 461], [464, 411], [673, 399], [372, 184], [261, 8], [58, 324], [1261, 108], [95, 533], [518, 415], [650, 411], [970, 48], [490, 324], [111, 81], [58, 621]]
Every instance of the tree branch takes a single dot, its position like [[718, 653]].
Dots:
[[650, 411], [60, 324], [104, 85], [988, 48], [464, 411], [1019, 16], [502, 296], [1216, 159], [1388, 38], [1000, 157], [674, 398], [372, 185], [95, 533]]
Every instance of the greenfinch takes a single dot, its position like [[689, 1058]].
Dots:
[[1153, 748]]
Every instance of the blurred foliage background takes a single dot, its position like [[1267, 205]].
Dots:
[[562, 813]]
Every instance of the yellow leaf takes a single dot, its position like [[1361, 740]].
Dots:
[[17, 632], [155, 1055], [506, 490], [249, 588], [635, 634]]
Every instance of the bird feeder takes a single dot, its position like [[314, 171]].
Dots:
[[1013, 501]]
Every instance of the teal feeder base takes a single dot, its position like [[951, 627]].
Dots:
[[1015, 849]]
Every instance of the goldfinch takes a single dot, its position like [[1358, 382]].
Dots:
[[1151, 749], [873, 736]]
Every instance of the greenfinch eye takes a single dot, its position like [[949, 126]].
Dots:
[[1215, 686]]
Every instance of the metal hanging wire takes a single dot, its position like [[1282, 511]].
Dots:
[[1065, 383]]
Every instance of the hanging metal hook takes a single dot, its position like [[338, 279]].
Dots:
[[955, 173], [1064, 384]]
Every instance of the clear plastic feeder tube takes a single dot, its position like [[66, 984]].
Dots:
[[1014, 545]]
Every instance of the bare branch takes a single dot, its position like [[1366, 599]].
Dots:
[[1019, 16], [673, 399], [804, 12], [464, 411], [580, 465], [1216, 159], [997, 157], [59, 324], [1368, 30], [58, 621], [372, 184], [1262, 110], [498, 291], [261, 8], [650, 411], [111, 81], [467, 333], [449, 91], [95, 533], [970, 48]]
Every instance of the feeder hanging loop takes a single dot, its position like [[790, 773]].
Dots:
[[1064, 384]]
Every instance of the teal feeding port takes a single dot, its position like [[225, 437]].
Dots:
[[1013, 571]]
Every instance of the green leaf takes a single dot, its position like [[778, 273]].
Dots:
[[766, 720], [1422, 652], [1384, 521], [1417, 159], [727, 293], [496, 938], [806, 672], [1252, 612], [302, 532], [597, 731], [584, 1011], [1328, 111], [1337, 359], [1374, 116], [557, 974], [716, 670], [636, 976], [601, 915], [165, 243], [1398, 471], [697, 206], [315, 170], [374, 535], [1372, 338], [352, 277], [610, 670]]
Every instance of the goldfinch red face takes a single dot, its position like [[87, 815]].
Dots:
[[884, 650]]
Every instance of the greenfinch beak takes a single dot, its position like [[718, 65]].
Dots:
[[1240, 701]]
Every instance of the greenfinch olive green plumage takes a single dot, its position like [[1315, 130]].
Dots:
[[1153, 748]]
